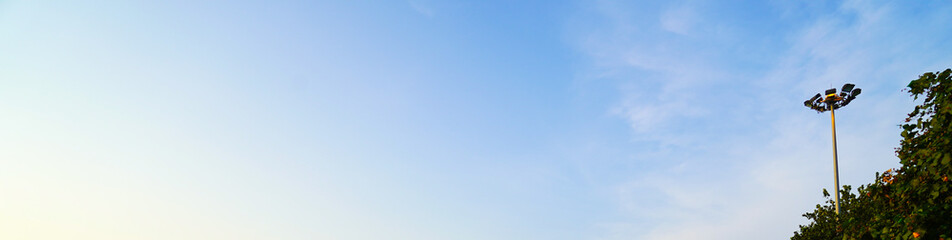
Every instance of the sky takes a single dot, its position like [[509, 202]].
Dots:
[[432, 119]]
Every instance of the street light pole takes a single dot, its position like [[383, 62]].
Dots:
[[831, 102], [836, 167]]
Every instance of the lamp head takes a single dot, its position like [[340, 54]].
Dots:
[[831, 91], [847, 88]]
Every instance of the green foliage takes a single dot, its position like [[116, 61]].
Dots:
[[912, 202]]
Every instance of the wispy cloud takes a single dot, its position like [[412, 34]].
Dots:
[[421, 7], [679, 19]]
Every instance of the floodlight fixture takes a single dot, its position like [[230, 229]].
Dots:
[[810, 103], [847, 88], [831, 91], [829, 100]]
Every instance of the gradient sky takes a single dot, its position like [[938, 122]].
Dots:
[[430, 119]]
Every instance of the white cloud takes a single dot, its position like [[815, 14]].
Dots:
[[762, 196], [679, 20], [421, 8]]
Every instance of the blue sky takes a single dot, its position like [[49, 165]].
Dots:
[[430, 119]]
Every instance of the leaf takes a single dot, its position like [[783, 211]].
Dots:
[[944, 74]]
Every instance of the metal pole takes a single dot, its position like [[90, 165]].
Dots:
[[836, 169]]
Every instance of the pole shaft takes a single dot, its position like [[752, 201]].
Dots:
[[836, 170]]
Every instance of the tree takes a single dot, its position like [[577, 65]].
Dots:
[[912, 202]]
